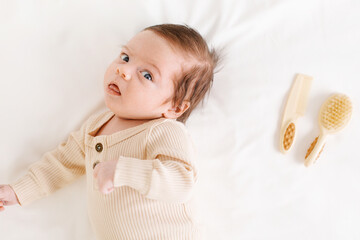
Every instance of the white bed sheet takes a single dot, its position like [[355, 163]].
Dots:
[[53, 56]]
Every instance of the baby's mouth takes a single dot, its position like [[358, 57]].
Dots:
[[114, 89]]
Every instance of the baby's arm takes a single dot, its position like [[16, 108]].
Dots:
[[168, 173], [56, 169]]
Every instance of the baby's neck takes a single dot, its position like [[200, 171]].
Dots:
[[116, 124], [127, 123]]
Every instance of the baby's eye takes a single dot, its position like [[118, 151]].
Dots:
[[124, 57], [147, 75]]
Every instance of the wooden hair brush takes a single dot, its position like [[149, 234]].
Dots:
[[334, 115]]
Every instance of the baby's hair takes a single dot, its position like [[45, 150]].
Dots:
[[194, 83]]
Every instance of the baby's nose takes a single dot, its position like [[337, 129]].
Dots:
[[124, 75]]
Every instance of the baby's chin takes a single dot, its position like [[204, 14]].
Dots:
[[110, 104], [125, 113]]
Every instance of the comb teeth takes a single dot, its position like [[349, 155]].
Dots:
[[336, 112]]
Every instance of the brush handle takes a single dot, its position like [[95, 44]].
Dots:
[[315, 150], [287, 136]]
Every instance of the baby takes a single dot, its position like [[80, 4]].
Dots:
[[137, 156]]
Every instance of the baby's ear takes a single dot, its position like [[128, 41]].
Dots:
[[176, 112]]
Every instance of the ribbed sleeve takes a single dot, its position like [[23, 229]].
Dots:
[[54, 170], [168, 174], [154, 178]]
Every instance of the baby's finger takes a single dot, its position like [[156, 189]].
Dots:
[[107, 188], [1, 206]]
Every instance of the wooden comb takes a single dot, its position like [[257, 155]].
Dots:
[[295, 107]]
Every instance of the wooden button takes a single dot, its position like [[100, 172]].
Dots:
[[98, 147], [95, 163]]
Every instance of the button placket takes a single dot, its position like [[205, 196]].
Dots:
[[99, 149]]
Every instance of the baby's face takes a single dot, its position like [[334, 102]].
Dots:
[[140, 79]]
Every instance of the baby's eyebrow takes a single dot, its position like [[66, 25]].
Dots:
[[125, 47], [157, 69]]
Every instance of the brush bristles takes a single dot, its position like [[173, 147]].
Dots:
[[336, 112]]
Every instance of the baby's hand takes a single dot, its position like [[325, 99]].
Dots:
[[104, 175], [7, 197]]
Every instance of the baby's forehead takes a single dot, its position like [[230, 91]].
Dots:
[[155, 48], [150, 40]]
